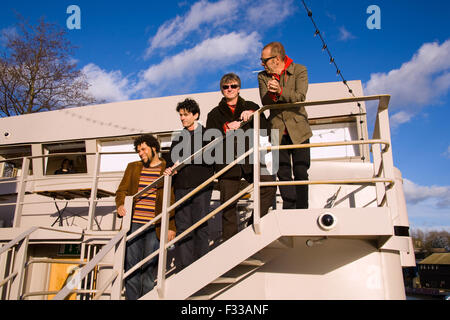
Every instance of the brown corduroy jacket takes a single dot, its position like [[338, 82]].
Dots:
[[129, 186]]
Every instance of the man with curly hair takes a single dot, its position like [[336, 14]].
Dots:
[[138, 175]]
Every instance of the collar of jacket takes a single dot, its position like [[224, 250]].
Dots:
[[239, 104], [288, 67]]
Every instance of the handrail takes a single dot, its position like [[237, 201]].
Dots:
[[8, 278], [180, 236], [46, 293], [108, 283], [102, 253], [322, 102]]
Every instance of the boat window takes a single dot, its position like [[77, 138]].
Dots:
[[117, 162], [66, 159], [335, 132], [12, 167]]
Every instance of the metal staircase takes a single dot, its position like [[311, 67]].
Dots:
[[235, 263]]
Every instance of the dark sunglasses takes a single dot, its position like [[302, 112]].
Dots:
[[264, 61], [233, 86]]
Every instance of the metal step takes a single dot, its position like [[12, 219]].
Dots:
[[282, 243], [225, 281], [233, 276]]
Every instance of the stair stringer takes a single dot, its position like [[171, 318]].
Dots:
[[220, 260], [366, 223]]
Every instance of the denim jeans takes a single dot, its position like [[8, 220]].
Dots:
[[142, 280], [195, 244]]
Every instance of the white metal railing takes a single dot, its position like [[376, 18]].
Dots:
[[23, 179], [383, 180]]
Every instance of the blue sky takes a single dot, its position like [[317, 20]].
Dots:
[[139, 49]]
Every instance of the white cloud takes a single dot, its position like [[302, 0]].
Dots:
[[345, 35], [447, 153], [417, 83], [426, 216], [206, 19], [108, 86], [203, 12], [270, 12], [440, 195], [206, 56], [399, 118]]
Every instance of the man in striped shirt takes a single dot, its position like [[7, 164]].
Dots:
[[138, 176]]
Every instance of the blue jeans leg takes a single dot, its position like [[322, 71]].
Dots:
[[195, 244], [143, 279]]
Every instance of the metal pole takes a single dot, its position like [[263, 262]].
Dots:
[[163, 237], [21, 192], [92, 203], [256, 175]]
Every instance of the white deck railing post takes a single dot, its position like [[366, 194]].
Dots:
[[119, 255], [386, 154], [21, 192], [256, 174], [94, 187], [20, 260], [163, 237]]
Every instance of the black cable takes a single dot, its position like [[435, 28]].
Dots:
[[333, 61]]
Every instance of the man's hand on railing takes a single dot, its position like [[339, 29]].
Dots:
[[234, 125], [121, 211], [170, 171], [246, 115]]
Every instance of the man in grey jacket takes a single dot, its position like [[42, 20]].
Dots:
[[283, 82]]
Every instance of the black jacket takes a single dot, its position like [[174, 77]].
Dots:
[[221, 114], [183, 146]]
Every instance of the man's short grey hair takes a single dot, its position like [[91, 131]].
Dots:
[[276, 49], [229, 77]]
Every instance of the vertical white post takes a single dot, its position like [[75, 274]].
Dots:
[[119, 257], [377, 165], [92, 203], [256, 175], [19, 266], [386, 156], [160, 287], [21, 192]]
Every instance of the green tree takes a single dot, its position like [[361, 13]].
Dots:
[[37, 71]]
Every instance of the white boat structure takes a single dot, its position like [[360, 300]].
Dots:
[[61, 238]]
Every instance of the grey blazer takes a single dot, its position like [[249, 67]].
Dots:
[[294, 83]]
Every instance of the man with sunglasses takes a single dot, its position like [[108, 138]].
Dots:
[[284, 82], [227, 117]]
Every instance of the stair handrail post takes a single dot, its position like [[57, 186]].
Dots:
[[119, 256], [161, 278], [92, 204], [21, 192], [387, 162], [20, 260], [256, 174]]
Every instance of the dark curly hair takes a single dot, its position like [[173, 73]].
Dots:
[[150, 140], [189, 105]]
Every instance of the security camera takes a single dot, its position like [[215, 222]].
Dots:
[[327, 221], [6, 134]]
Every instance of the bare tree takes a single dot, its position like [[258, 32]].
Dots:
[[431, 239], [37, 72]]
